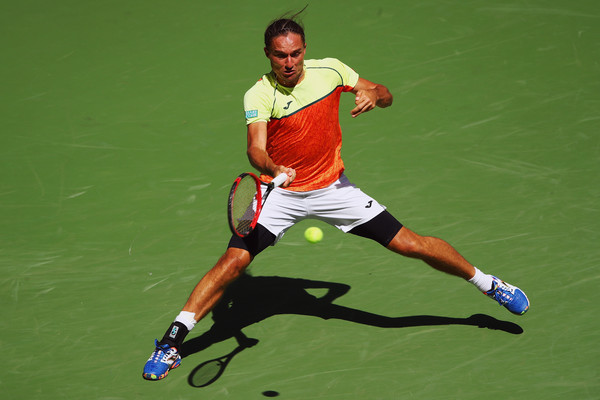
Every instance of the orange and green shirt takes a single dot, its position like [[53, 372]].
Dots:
[[303, 129]]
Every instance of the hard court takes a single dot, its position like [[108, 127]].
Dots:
[[122, 129]]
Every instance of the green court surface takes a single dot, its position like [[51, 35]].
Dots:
[[122, 129]]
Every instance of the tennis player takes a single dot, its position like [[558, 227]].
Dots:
[[293, 127]]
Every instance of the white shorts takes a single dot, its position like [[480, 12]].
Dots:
[[341, 204]]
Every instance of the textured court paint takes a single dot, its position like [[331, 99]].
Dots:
[[122, 127]]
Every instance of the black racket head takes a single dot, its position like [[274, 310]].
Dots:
[[244, 204]]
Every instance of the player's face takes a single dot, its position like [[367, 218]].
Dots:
[[286, 54]]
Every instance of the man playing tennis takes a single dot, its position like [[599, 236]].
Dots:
[[293, 127]]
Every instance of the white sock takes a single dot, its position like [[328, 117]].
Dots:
[[482, 281], [187, 318]]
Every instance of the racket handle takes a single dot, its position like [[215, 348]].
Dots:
[[279, 179]]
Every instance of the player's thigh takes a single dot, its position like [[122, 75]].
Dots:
[[383, 229], [282, 210], [344, 205], [258, 240]]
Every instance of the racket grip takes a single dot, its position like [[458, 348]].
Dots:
[[279, 179]]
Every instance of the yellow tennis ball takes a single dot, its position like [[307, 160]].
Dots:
[[313, 234]]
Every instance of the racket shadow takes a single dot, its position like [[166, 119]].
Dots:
[[209, 371], [252, 299]]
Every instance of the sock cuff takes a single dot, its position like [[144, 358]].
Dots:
[[477, 275], [482, 281], [187, 318]]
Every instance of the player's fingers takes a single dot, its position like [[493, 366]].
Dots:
[[358, 98], [361, 108], [291, 176], [363, 103], [356, 111]]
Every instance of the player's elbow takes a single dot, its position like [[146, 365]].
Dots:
[[256, 156], [252, 157]]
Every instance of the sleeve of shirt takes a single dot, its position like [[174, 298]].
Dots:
[[349, 76], [257, 105]]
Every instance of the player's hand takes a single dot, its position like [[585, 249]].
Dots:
[[291, 173], [365, 100]]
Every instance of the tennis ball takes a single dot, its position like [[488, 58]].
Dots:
[[313, 234]]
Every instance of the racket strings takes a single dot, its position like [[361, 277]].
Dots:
[[244, 205]]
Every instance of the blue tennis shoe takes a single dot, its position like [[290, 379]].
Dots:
[[163, 359], [509, 296]]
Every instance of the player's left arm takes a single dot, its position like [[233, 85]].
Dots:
[[370, 95]]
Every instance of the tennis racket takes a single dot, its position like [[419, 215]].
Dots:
[[246, 201]]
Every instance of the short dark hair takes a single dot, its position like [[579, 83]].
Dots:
[[284, 25]]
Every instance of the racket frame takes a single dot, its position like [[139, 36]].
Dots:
[[260, 198]]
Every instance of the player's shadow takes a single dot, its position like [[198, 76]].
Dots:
[[252, 299]]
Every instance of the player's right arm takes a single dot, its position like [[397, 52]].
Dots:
[[259, 157]]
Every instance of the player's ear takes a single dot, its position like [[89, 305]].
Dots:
[[266, 52]]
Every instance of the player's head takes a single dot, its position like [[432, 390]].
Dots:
[[285, 47], [284, 25]]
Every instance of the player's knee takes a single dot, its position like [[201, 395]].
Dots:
[[407, 243], [236, 261]]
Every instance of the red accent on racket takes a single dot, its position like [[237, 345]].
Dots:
[[246, 201]]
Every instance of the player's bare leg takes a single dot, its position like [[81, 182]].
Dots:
[[442, 256], [204, 297], [434, 251], [211, 287]]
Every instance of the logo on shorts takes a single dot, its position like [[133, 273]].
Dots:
[[252, 114]]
